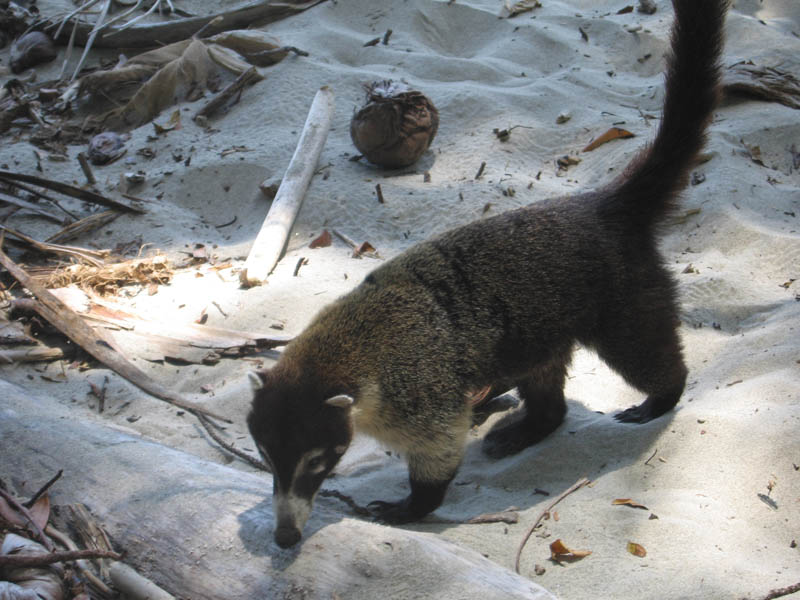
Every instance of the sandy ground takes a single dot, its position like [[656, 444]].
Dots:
[[736, 255]]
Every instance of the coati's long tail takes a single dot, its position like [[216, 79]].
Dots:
[[647, 190]]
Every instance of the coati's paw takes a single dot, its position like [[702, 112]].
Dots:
[[652, 408], [508, 440], [392, 513]]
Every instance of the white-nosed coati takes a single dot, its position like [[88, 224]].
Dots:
[[498, 303]]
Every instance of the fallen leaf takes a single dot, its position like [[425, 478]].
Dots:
[[363, 249], [40, 511], [628, 502], [559, 552], [173, 123], [612, 134], [637, 549], [322, 241]]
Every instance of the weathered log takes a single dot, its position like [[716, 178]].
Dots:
[[202, 530]]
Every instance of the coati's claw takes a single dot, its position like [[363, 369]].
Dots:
[[634, 414], [392, 513]]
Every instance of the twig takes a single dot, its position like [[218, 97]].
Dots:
[[209, 427], [274, 232], [300, 262], [87, 170], [480, 170], [574, 487], [82, 226], [43, 489], [379, 191], [25, 513], [777, 593], [357, 508], [91, 257], [647, 462], [41, 560], [248, 77], [30, 206], [96, 342], [93, 579], [347, 240], [35, 354], [98, 26]]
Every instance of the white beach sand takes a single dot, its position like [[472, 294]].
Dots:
[[736, 256]]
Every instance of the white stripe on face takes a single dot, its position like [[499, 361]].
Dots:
[[290, 509]]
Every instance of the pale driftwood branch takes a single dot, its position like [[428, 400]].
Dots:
[[35, 354], [95, 342], [30, 206], [87, 573], [574, 487], [152, 34], [204, 530], [82, 226], [135, 587], [271, 239], [41, 560], [92, 257]]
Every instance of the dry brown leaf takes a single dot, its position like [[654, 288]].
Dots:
[[40, 511], [637, 549], [183, 70], [322, 241], [559, 552], [628, 502], [364, 248], [612, 134]]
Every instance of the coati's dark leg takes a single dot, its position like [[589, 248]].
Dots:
[[644, 347], [543, 411], [429, 475]]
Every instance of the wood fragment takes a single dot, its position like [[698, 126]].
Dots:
[[574, 487], [300, 262], [379, 191], [91, 257], [134, 586], [70, 190], [86, 168], [83, 226], [42, 560], [235, 88], [480, 170], [31, 207], [765, 83], [96, 342], [144, 36], [32, 500], [780, 592], [274, 232], [372, 42], [35, 354]]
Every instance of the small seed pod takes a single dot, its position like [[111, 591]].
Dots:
[[395, 126], [33, 48], [106, 147]]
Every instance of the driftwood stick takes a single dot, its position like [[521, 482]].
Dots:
[[15, 504], [30, 206], [83, 226], [248, 77], [134, 586], [70, 190], [209, 427], [92, 257], [96, 342], [152, 34], [42, 560], [574, 487], [35, 354], [271, 239]]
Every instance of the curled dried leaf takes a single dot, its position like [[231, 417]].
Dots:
[[559, 552], [637, 549], [612, 134], [628, 502], [106, 147], [323, 240]]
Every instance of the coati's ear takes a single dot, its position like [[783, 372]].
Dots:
[[340, 401], [256, 379]]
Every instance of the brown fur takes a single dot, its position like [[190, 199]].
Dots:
[[501, 303]]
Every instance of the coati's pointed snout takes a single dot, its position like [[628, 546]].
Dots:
[[286, 537]]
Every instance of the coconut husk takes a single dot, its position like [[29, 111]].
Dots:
[[395, 126]]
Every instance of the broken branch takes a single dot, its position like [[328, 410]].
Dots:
[[42, 560], [271, 239], [574, 487]]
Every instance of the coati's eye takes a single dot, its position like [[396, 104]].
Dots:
[[316, 464]]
